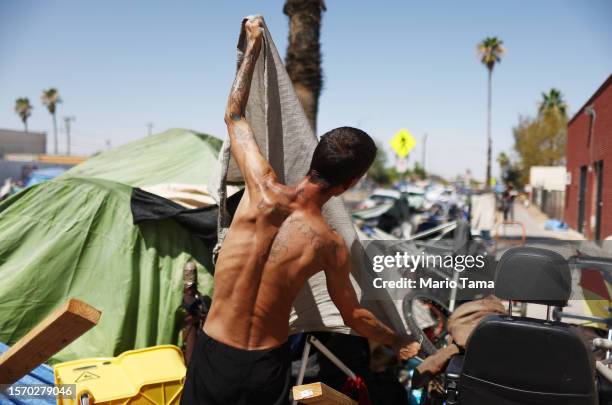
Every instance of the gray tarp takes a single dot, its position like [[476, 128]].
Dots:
[[286, 139]]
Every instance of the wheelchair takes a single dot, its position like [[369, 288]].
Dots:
[[517, 360]]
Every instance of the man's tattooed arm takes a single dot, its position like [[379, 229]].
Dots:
[[254, 167], [239, 94]]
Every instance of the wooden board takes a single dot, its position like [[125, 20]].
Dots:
[[55, 332], [320, 394]]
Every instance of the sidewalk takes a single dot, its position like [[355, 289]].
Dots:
[[533, 220]]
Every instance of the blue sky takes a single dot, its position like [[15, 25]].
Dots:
[[387, 65]]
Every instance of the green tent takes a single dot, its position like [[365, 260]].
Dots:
[[74, 237], [174, 156]]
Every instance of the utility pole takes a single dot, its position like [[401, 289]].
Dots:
[[67, 121], [424, 152], [150, 128]]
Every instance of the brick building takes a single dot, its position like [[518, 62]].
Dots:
[[588, 196]]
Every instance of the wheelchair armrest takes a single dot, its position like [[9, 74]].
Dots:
[[455, 365], [451, 379]]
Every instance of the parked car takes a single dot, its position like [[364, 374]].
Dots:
[[380, 196], [415, 196]]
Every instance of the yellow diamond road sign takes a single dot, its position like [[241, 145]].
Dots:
[[403, 142]]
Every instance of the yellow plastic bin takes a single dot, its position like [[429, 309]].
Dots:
[[154, 375]]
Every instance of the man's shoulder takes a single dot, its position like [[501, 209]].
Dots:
[[334, 247], [269, 198], [323, 228], [327, 239]]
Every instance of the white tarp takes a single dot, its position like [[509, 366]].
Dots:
[[483, 212], [286, 139]]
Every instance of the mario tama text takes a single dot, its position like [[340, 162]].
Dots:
[[432, 283]]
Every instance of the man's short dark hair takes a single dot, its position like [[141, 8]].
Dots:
[[342, 155]]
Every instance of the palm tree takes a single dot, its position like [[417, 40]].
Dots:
[[23, 108], [553, 102], [504, 163], [303, 60], [503, 160], [490, 51], [51, 98]]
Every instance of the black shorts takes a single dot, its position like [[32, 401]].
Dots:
[[219, 374]]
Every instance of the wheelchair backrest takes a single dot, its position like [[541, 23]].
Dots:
[[517, 360], [534, 275]]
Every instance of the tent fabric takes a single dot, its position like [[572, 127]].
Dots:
[[74, 237], [201, 222], [287, 141], [174, 156], [186, 195]]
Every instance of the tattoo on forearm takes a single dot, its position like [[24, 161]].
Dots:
[[243, 135], [239, 94]]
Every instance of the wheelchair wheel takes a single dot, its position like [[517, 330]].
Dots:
[[432, 337]]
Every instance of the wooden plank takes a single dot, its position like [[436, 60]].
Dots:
[[320, 394], [55, 332]]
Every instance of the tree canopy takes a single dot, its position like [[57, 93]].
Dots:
[[377, 171], [50, 98], [491, 50], [510, 173], [540, 141], [386, 176], [553, 102], [23, 108]]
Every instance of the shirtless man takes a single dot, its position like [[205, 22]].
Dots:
[[277, 240]]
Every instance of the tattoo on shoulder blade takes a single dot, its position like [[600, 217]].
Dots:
[[276, 247]]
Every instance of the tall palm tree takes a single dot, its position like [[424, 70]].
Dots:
[[51, 98], [23, 108], [553, 102], [303, 60], [490, 51]]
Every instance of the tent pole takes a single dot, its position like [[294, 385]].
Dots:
[[325, 351], [305, 355]]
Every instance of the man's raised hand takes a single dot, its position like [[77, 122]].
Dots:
[[254, 29]]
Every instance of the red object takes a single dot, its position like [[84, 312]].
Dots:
[[357, 384], [593, 281], [588, 142]]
